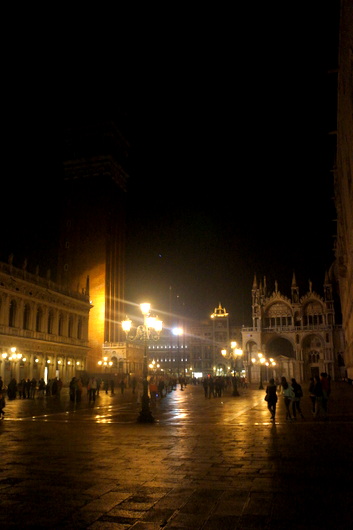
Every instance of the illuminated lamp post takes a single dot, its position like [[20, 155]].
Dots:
[[234, 354], [177, 332], [149, 330], [105, 363], [262, 361], [14, 357]]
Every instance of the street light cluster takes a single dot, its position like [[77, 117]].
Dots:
[[149, 330], [262, 361], [105, 362], [13, 356], [234, 355]]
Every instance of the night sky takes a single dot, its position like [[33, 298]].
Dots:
[[228, 120], [232, 174]]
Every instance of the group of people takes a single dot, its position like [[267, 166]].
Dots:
[[29, 388], [319, 391], [93, 385]]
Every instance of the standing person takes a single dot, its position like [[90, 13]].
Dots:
[[318, 395], [205, 386], [298, 394], [288, 395], [72, 388], [312, 395], [92, 384], [99, 381], [12, 389], [60, 385], [27, 389], [122, 385], [161, 386], [79, 388], [2, 404], [20, 387], [54, 387], [32, 388], [326, 390], [271, 394], [41, 387], [153, 388]]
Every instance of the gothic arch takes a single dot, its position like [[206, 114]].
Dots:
[[278, 313], [251, 347], [280, 346], [313, 312], [313, 354]]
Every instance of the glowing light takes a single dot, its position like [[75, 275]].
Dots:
[[145, 308]]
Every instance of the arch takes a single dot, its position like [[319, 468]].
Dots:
[[313, 353], [313, 313], [251, 347], [278, 314], [280, 346]]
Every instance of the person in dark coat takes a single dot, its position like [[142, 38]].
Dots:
[[298, 393], [271, 395]]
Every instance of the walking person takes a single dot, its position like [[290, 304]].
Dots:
[[298, 394], [271, 398], [288, 395]]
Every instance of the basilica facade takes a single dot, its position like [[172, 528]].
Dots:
[[296, 336]]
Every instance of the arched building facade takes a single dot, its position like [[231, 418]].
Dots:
[[299, 333], [43, 328]]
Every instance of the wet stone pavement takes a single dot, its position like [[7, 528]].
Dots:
[[216, 463]]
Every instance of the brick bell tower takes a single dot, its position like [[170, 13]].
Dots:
[[92, 236]]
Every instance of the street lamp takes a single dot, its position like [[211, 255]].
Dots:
[[177, 332], [262, 361], [14, 357], [149, 330], [105, 363], [234, 355]]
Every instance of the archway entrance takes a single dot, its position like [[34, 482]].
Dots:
[[280, 346]]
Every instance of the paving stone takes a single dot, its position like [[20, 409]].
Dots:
[[215, 464]]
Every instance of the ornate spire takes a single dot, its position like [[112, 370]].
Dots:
[[294, 290], [254, 285], [294, 281]]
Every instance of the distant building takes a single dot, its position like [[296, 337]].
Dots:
[[299, 333], [43, 328], [197, 351]]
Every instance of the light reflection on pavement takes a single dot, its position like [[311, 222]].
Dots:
[[187, 407]]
